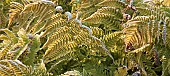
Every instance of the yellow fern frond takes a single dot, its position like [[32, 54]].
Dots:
[[98, 18], [113, 3], [111, 10], [13, 15], [4, 51], [97, 31], [12, 67], [57, 44], [3, 37], [140, 49], [54, 25], [62, 51], [16, 5], [11, 35], [108, 37], [60, 32]]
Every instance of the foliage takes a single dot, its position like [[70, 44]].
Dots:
[[84, 37]]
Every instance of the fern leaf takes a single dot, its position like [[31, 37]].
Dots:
[[140, 49], [97, 31], [20, 51], [164, 32], [16, 5], [3, 37], [4, 52], [17, 70], [54, 25], [113, 3], [111, 36], [111, 10], [22, 66], [60, 32], [6, 70], [144, 18], [62, 51], [13, 15], [10, 34], [13, 67], [59, 41], [34, 47], [98, 18], [144, 11]]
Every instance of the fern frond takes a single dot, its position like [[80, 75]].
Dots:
[[140, 49], [81, 37], [13, 67], [144, 11], [111, 10], [5, 70], [4, 51], [11, 35], [60, 32], [144, 18], [53, 18], [3, 37], [16, 68], [164, 31], [13, 15], [122, 71], [98, 18], [45, 16], [16, 5], [59, 41], [62, 51], [20, 51], [53, 26], [113, 3], [97, 31], [108, 37]]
